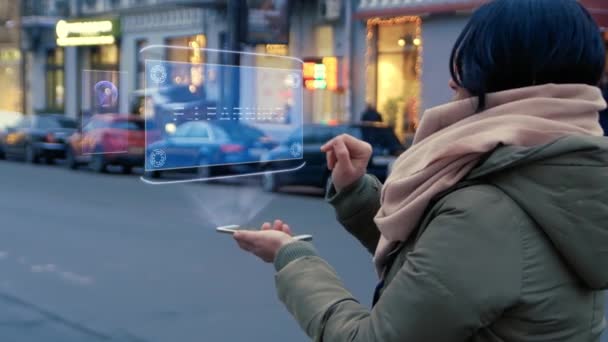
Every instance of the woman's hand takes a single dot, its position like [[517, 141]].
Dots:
[[347, 158], [265, 243]]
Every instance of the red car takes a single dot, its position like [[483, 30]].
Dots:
[[108, 139]]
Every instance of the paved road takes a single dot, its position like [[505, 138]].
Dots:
[[87, 258]]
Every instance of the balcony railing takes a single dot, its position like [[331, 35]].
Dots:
[[105, 6], [45, 8]]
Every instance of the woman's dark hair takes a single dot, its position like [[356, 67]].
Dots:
[[511, 44]]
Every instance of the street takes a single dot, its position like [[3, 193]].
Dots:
[[88, 257]]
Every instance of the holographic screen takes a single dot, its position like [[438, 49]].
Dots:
[[220, 114]]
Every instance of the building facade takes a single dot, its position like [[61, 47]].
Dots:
[[66, 40], [392, 54], [405, 47], [10, 57]]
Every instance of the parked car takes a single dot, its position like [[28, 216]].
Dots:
[[7, 119], [36, 137], [386, 147], [109, 139], [224, 146]]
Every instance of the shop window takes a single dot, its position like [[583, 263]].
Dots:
[[104, 57], [191, 72], [394, 50], [55, 79], [141, 66]]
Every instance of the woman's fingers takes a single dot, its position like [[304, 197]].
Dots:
[[286, 229], [277, 225], [342, 154], [266, 226], [331, 159]]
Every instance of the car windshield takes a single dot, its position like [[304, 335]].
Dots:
[[131, 125], [239, 131], [182, 94], [52, 122]]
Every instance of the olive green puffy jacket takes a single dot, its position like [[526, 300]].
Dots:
[[518, 251]]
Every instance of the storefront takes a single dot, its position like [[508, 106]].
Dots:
[[55, 80], [10, 63], [85, 47], [393, 69], [323, 82], [10, 58], [406, 52], [318, 38], [195, 28]]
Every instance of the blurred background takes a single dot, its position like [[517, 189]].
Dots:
[[88, 253]]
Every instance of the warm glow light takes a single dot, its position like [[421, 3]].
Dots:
[[372, 67], [78, 41], [277, 49], [64, 28], [170, 128], [84, 33], [320, 71], [401, 42], [308, 70], [331, 72]]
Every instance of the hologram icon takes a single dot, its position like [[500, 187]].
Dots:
[[158, 157], [296, 150], [158, 74]]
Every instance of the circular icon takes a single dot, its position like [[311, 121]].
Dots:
[[158, 74], [158, 158], [106, 94], [296, 150]]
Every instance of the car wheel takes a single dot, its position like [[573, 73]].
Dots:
[[30, 155], [49, 160], [127, 169], [203, 172], [70, 159], [98, 162], [152, 174], [270, 182]]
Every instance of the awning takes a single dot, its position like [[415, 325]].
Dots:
[[599, 11], [391, 8]]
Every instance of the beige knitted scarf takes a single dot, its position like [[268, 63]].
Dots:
[[452, 138]]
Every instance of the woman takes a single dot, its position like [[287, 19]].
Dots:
[[493, 226]]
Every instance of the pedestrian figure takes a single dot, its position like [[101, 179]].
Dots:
[[371, 114]]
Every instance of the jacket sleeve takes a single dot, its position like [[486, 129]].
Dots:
[[356, 207], [463, 272]]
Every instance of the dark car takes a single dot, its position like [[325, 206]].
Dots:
[[36, 137], [221, 145], [386, 147], [110, 139]]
